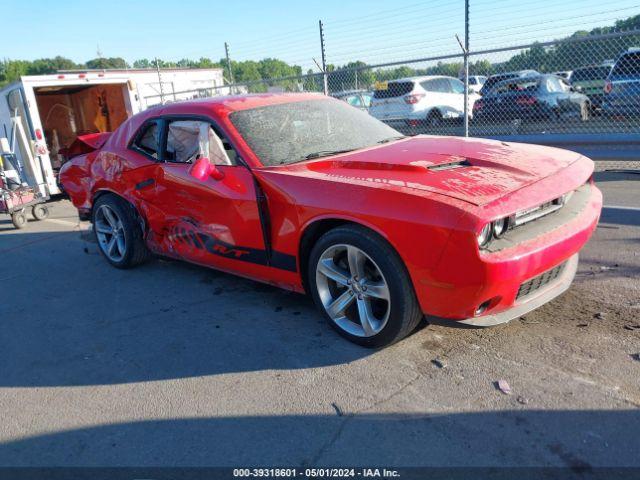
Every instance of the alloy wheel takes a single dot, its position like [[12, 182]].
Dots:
[[110, 233], [353, 290]]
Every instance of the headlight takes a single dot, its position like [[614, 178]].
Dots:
[[500, 226], [484, 237]]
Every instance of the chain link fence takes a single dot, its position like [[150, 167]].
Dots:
[[580, 91]]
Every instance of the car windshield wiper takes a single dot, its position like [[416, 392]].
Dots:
[[327, 153], [392, 139]]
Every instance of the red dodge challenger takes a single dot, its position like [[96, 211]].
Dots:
[[307, 193]]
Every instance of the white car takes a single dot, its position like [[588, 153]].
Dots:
[[415, 101], [475, 82]]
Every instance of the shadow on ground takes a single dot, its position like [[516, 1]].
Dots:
[[71, 319], [577, 440]]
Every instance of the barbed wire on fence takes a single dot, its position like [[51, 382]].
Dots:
[[520, 82]]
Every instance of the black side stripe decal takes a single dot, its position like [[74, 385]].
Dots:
[[212, 245]]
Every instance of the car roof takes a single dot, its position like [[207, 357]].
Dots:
[[530, 78], [597, 65], [418, 79], [223, 104], [347, 92], [517, 72], [233, 103]]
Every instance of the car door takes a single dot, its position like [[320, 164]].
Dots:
[[213, 222], [560, 96], [457, 87], [436, 93], [574, 98]]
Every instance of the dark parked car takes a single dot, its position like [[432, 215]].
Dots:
[[532, 98], [590, 81], [622, 88], [500, 77]]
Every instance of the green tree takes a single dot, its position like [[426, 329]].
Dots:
[[12, 70], [51, 65], [104, 63], [143, 63]]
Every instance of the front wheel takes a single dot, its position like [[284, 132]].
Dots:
[[19, 219], [118, 232], [361, 285]]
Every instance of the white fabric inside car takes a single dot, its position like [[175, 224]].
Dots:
[[188, 140]]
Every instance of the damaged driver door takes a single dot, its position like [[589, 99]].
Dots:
[[206, 200]]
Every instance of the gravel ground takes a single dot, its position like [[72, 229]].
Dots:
[[175, 365]]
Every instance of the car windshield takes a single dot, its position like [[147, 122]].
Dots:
[[627, 66], [393, 89], [590, 73], [515, 86], [296, 131], [491, 81]]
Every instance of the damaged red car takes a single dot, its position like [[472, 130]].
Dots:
[[307, 193]]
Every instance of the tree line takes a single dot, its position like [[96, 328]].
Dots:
[[261, 74]]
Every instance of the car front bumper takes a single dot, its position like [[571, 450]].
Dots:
[[532, 301], [484, 288]]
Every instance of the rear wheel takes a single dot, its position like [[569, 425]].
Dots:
[[40, 212], [118, 232], [434, 119], [361, 285]]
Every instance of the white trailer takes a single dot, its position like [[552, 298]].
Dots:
[[43, 114]]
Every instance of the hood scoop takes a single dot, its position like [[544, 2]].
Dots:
[[449, 166]]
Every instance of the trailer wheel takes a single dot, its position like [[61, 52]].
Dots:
[[19, 219], [40, 212]]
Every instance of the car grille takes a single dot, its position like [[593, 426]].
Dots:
[[540, 281], [531, 214]]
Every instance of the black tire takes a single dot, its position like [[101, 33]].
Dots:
[[40, 212], [434, 119], [405, 313], [19, 219], [136, 251]]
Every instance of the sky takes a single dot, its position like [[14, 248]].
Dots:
[[373, 31]]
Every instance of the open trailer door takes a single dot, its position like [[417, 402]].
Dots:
[[67, 112], [18, 129]]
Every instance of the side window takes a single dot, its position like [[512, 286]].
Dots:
[[457, 85], [428, 85], [147, 141], [553, 85], [366, 100], [440, 85], [188, 140], [353, 100]]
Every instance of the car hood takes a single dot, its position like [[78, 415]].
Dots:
[[476, 171]]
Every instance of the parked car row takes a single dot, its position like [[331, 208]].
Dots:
[[532, 97], [416, 100], [612, 88]]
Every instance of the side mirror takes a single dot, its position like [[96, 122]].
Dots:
[[202, 169], [577, 88]]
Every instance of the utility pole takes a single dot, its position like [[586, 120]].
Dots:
[[466, 68], [230, 72], [325, 81], [160, 80]]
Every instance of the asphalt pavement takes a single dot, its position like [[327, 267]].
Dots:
[[171, 364]]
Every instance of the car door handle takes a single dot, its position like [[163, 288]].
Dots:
[[149, 182]]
